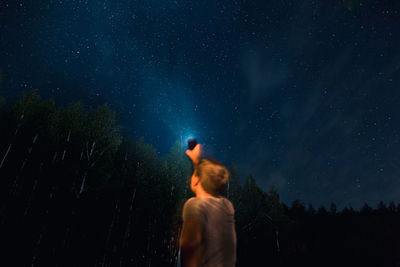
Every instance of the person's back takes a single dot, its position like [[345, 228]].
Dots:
[[219, 236], [208, 236]]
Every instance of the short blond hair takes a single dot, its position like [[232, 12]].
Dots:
[[213, 175]]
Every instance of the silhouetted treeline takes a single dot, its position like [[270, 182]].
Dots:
[[75, 192]]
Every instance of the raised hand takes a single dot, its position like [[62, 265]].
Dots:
[[194, 154]]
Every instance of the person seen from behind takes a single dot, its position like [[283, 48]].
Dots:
[[208, 236]]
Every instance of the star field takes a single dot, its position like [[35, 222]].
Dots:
[[302, 94]]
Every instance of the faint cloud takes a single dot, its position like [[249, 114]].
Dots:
[[264, 74]]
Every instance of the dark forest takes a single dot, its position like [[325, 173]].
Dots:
[[76, 192]]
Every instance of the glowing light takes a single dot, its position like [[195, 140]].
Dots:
[[187, 135]]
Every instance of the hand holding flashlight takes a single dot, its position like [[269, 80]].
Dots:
[[194, 151]]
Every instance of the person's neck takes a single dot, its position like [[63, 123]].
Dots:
[[202, 193]]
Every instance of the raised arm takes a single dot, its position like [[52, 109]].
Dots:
[[194, 154]]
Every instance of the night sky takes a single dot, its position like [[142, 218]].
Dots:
[[304, 95]]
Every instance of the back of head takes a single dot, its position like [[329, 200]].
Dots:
[[213, 175]]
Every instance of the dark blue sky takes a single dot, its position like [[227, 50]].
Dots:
[[302, 94]]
